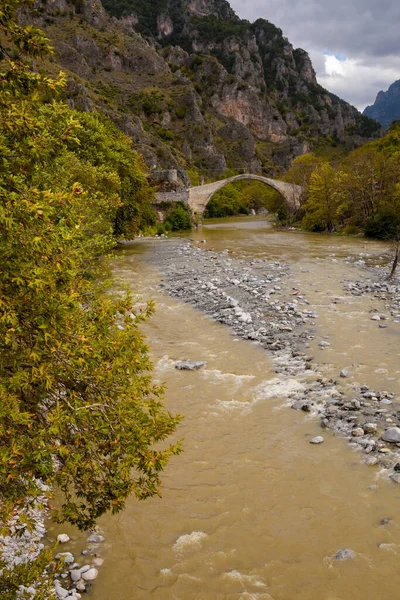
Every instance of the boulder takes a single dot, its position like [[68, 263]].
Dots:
[[189, 365], [392, 435], [344, 554]]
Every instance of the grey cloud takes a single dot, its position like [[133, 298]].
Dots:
[[360, 27]]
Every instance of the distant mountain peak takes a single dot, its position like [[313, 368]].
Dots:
[[386, 108]]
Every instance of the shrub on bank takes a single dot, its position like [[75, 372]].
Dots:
[[179, 218]]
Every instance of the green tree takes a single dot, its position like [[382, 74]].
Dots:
[[301, 170], [323, 199], [369, 178], [78, 409]]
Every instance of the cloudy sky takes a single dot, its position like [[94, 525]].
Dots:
[[354, 44]]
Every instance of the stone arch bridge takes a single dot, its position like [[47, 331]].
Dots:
[[200, 195]]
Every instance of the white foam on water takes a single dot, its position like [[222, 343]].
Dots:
[[216, 376], [270, 388], [254, 580], [165, 363], [166, 572], [277, 388], [389, 547], [233, 405], [255, 596], [186, 576], [189, 541]]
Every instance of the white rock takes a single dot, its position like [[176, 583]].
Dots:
[[317, 440], [60, 591], [370, 427], [90, 575], [85, 568], [63, 538], [75, 574], [67, 557]]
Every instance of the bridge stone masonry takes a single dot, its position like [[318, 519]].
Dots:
[[198, 197]]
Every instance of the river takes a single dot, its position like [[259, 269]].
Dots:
[[252, 510]]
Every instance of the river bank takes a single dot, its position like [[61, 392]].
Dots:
[[258, 301]]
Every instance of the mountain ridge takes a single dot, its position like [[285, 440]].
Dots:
[[386, 107], [232, 96]]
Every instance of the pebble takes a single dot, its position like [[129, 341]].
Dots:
[[344, 554], [357, 432], [63, 538], [370, 427], [317, 440], [60, 591], [345, 373], [66, 557], [95, 538], [75, 574]]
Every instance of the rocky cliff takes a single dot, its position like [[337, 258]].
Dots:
[[195, 87], [387, 106]]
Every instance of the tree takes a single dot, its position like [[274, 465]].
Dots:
[[302, 168], [323, 199], [78, 409], [369, 178]]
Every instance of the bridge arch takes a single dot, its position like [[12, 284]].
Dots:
[[200, 195]]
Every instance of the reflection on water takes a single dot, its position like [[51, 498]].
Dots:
[[251, 509]]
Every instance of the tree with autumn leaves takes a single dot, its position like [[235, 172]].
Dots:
[[78, 408]]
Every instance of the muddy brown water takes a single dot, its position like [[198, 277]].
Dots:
[[251, 510]]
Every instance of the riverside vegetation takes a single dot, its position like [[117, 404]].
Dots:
[[78, 409]]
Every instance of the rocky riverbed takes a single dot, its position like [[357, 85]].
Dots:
[[257, 300], [25, 537]]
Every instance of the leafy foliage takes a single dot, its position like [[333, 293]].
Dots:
[[240, 197], [358, 193], [78, 408], [179, 218], [321, 206]]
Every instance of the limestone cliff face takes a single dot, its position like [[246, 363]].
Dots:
[[195, 87]]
